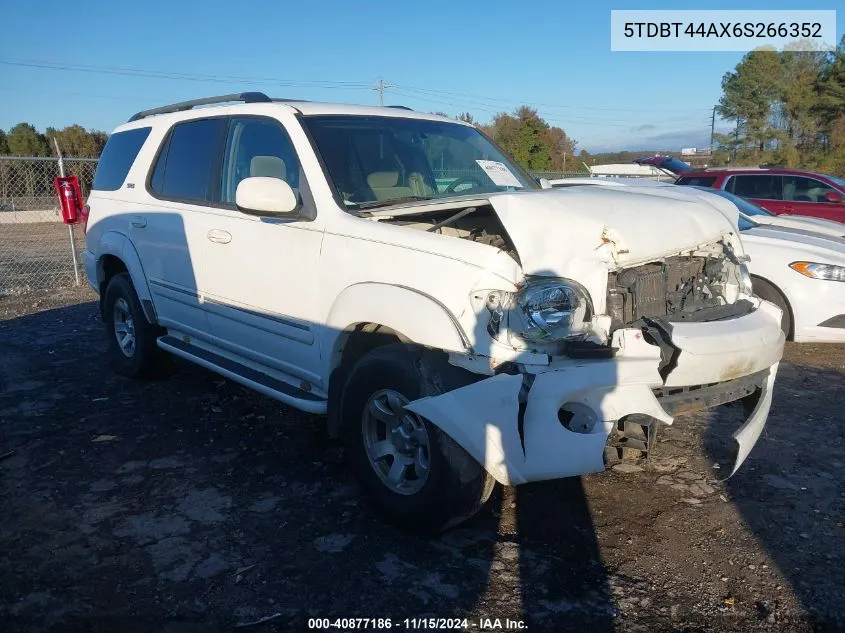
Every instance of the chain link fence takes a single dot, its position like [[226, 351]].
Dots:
[[35, 246]]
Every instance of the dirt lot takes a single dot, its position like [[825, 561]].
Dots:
[[195, 505]]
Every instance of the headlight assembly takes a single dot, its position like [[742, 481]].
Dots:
[[553, 310], [828, 272]]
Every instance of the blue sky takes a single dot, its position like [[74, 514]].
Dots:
[[446, 56]]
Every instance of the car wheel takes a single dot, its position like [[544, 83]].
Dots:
[[132, 346], [768, 292], [415, 475]]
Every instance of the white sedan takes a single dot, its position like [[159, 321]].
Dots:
[[797, 263]]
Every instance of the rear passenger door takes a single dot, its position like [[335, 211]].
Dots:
[[168, 233], [259, 275], [764, 189]]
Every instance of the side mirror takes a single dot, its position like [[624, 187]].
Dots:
[[544, 183], [834, 197], [260, 195]]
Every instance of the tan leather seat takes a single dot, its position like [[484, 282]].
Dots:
[[385, 185], [268, 166]]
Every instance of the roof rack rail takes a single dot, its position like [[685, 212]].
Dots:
[[401, 107], [246, 97]]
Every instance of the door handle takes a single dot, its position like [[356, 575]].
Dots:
[[138, 221], [219, 236]]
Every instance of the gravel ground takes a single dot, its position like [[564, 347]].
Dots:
[[195, 505]]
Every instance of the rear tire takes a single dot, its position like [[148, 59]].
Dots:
[[768, 292], [132, 348], [441, 484]]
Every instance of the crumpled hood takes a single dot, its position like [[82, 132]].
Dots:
[[565, 232]]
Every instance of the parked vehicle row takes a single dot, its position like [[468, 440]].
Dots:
[[796, 262], [486, 330], [780, 191]]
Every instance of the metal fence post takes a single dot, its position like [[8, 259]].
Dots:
[[69, 226]]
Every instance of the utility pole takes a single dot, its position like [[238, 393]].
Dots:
[[736, 138], [381, 84], [712, 129]]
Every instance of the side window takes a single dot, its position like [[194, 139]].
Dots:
[[763, 186], [257, 147], [120, 152], [802, 189], [183, 170]]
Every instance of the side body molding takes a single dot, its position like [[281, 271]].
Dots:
[[118, 244]]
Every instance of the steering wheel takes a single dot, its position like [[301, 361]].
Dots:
[[459, 181]]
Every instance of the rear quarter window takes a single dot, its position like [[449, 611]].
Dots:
[[120, 152], [697, 181], [185, 165]]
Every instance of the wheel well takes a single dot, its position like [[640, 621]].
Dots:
[[353, 343], [766, 283], [111, 265]]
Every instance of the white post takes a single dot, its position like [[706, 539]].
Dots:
[[69, 226]]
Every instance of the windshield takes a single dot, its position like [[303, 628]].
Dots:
[[748, 208], [376, 161]]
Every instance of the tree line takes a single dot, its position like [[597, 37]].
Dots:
[[74, 141], [787, 108]]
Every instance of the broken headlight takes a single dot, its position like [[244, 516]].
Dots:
[[551, 311], [745, 285]]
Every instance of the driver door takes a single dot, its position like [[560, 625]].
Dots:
[[259, 278]]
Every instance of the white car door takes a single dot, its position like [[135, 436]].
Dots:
[[259, 275], [168, 231]]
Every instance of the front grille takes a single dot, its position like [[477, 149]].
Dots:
[[676, 286]]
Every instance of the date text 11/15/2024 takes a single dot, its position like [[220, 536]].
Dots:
[[416, 624]]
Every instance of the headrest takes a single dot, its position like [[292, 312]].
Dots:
[[383, 179], [269, 166]]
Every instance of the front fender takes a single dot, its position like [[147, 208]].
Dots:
[[119, 245], [420, 318]]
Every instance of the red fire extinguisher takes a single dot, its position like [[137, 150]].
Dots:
[[70, 198]]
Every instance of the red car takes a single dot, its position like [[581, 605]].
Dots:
[[776, 190]]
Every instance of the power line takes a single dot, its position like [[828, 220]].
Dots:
[[156, 74], [494, 100], [476, 101]]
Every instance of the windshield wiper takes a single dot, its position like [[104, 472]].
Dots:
[[375, 204]]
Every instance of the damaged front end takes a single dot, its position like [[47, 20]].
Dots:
[[665, 338], [617, 325]]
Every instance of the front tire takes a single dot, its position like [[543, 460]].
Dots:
[[132, 346], [414, 474]]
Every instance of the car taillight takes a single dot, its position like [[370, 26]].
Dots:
[[86, 210]]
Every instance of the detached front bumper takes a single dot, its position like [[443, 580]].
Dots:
[[554, 421]]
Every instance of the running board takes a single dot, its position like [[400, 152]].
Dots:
[[246, 376]]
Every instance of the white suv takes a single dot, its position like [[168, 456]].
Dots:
[[458, 323]]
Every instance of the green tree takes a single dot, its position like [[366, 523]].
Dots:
[[75, 141], [4, 145], [798, 97], [747, 96], [830, 86], [563, 151], [466, 117], [24, 140]]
